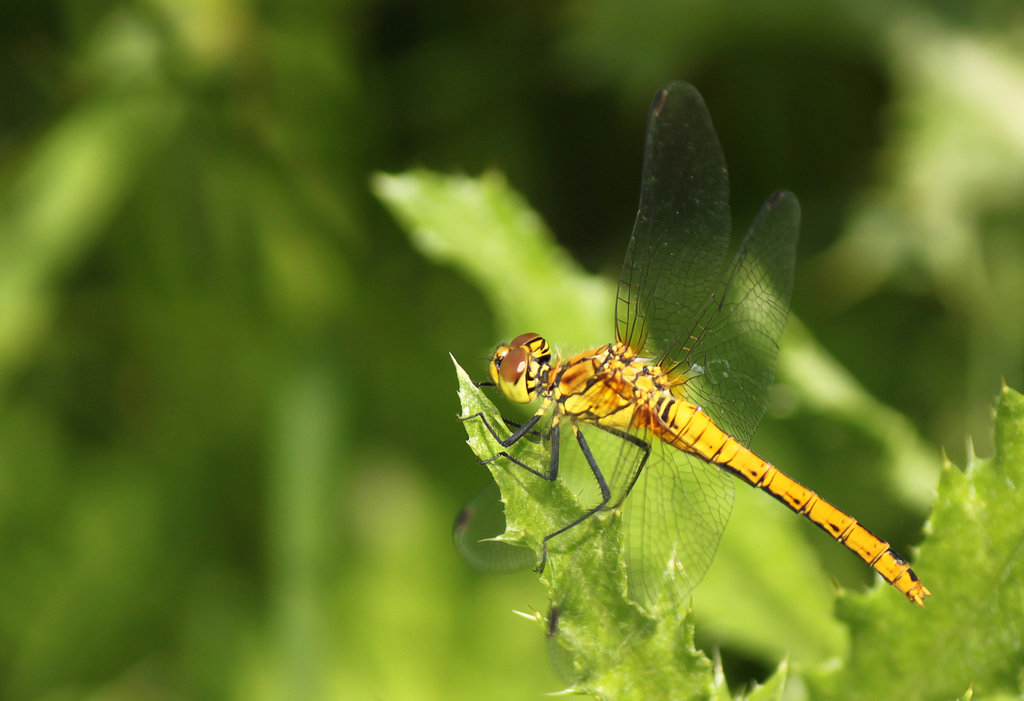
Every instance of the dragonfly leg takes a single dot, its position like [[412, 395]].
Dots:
[[533, 434], [606, 493], [643, 446], [515, 437]]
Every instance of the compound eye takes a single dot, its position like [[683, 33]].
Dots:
[[523, 339], [496, 362], [513, 365]]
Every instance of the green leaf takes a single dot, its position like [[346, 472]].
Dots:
[[485, 229], [773, 688], [969, 636]]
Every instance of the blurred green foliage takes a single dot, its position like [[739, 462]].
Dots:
[[228, 450]]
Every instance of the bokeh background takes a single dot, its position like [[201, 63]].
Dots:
[[229, 459]]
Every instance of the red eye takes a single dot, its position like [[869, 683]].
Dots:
[[513, 365], [523, 340]]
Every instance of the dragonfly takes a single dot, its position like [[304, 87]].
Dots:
[[685, 382]]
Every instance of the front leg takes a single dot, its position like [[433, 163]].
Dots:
[[602, 484], [552, 472]]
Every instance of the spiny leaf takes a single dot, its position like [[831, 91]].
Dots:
[[969, 636]]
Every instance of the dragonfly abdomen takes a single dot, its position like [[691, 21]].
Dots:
[[845, 529], [686, 427]]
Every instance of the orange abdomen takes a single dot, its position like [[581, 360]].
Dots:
[[687, 428]]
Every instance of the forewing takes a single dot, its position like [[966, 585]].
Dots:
[[682, 229]]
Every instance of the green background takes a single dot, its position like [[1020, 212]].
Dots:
[[229, 459]]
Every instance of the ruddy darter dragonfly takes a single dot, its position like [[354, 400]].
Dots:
[[686, 381]]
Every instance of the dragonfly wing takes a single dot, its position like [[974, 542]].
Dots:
[[731, 364], [682, 229], [673, 516], [674, 520], [713, 327], [477, 523]]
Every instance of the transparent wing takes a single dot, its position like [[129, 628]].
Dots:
[[679, 242], [731, 364], [678, 509], [674, 520], [673, 517], [480, 520], [713, 326]]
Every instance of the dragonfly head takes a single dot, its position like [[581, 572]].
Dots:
[[516, 368]]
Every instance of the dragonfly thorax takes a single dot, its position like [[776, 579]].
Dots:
[[516, 369]]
